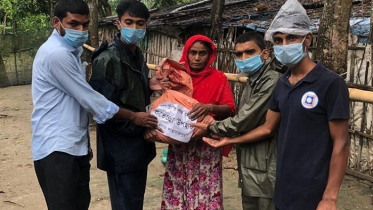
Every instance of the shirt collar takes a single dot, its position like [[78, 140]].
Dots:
[[76, 51], [311, 77]]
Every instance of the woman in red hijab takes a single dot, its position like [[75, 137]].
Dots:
[[193, 177]]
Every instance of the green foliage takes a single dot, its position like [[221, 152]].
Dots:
[[28, 15], [113, 4], [33, 23], [7, 9], [34, 15]]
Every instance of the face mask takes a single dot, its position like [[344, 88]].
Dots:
[[75, 38], [132, 36], [290, 55], [250, 65]]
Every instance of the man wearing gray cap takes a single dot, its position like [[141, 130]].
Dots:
[[310, 105]]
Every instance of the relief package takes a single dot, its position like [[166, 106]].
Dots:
[[172, 107]]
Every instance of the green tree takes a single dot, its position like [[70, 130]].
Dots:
[[24, 15]]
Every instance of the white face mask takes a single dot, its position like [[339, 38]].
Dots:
[[290, 55]]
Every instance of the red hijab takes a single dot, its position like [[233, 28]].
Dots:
[[210, 86], [184, 58]]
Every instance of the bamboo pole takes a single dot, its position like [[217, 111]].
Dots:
[[355, 94], [88, 47], [360, 95]]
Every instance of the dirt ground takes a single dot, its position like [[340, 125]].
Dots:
[[19, 188]]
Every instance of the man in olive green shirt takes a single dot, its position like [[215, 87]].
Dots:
[[256, 161]]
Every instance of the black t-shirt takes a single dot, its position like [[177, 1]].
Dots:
[[304, 142]]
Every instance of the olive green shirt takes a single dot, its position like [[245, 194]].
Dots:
[[257, 160]]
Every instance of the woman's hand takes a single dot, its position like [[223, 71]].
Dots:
[[157, 82], [200, 110]]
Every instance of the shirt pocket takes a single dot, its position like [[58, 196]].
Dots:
[[255, 156]]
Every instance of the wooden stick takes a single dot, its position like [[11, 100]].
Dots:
[[88, 47], [152, 67], [359, 133], [359, 175], [360, 95]]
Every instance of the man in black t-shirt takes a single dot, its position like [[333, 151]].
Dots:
[[310, 105]]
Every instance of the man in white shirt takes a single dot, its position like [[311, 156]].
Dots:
[[62, 99]]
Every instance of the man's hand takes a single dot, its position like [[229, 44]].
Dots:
[[217, 143], [200, 110], [202, 131], [200, 126], [327, 205], [151, 135], [145, 120]]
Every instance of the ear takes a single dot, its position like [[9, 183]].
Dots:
[[56, 23], [265, 54], [117, 23], [308, 40]]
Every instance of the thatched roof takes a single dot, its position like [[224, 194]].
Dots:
[[249, 14]]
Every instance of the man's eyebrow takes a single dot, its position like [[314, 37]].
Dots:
[[292, 36], [75, 21]]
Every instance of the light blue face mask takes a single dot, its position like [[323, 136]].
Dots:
[[250, 65], [132, 36], [75, 38], [290, 55]]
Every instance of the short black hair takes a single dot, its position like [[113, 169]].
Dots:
[[251, 36], [73, 6], [134, 8]]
